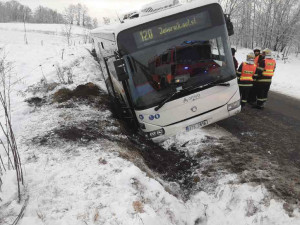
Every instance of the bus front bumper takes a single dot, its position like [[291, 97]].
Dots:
[[159, 134]]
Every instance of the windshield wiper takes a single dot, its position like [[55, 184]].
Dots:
[[214, 83], [167, 99], [223, 84]]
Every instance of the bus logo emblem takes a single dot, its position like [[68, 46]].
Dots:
[[194, 109]]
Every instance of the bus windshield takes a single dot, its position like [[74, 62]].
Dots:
[[185, 50]]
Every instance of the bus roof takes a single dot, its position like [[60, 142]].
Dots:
[[111, 31]]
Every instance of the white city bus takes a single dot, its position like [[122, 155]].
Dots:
[[170, 69]]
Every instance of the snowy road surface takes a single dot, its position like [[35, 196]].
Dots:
[[273, 137]]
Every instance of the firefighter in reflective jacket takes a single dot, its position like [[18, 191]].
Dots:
[[258, 56], [246, 73], [266, 72], [253, 93]]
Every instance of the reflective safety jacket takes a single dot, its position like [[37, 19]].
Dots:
[[258, 59], [266, 68], [246, 74]]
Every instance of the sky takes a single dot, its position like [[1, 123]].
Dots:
[[97, 8]]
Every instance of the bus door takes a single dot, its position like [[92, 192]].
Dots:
[[105, 54]]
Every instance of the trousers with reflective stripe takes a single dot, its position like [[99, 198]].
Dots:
[[262, 92]]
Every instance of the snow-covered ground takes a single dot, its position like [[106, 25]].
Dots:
[[80, 182], [286, 79], [55, 29]]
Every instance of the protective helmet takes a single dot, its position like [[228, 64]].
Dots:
[[267, 52], [257, 49], [250, 58]]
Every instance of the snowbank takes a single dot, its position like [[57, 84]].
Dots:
[[54, 29]]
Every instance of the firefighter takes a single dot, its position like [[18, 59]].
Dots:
[[258, 56], [266, 72], [236, 64], [246, 73], [253, 92]]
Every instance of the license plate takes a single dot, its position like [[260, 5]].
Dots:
[[197, 125]]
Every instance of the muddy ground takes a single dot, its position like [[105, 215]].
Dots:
[[265, 151], [268, 151]]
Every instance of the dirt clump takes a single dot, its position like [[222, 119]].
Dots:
[[84, 91], [36, 101], [81, 132], [80, 92], [88, 94], [62, 95]]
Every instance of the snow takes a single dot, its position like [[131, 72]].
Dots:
[[54, 29], [72, 183], [286, 79]]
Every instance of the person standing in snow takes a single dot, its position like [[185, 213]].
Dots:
[[266, 72], [236, 64], [253, 92], [258, 56], [246, 72]]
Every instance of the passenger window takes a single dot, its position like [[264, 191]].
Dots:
[[169, 57], [164, 58]]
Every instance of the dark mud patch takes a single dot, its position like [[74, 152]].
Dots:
[[36, 101], [210, 162], [170, 164], [82, 133], [81, 92], [87, 94]]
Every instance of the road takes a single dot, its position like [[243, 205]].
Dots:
[[269, 148]]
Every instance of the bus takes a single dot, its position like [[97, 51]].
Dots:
[[169, 69]]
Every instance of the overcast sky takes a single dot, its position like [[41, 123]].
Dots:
[[97, 8]]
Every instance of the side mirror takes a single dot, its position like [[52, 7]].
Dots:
[[229, 25], [120, 70]]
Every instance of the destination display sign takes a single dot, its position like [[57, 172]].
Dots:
[[172, 29]]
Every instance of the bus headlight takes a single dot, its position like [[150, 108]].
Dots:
[[155, 133], [233, 105]]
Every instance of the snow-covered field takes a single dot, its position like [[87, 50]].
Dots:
[[287, 77], [91, 182], [54, 29]]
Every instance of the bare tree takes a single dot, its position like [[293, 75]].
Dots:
[[95, 23], [68, 25], [9, 145], [70, 14], [25, 32], [84, 15], [106, 20], [67, 32], [78, 13], [265, 23]]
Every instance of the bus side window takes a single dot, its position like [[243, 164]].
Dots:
[[164, 58], [174, 56], [169, 57], [157, 61]]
